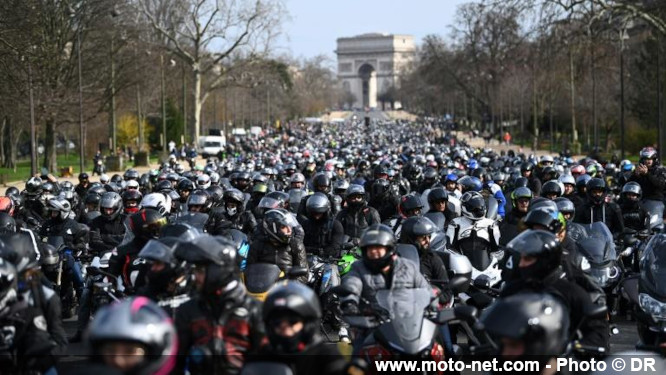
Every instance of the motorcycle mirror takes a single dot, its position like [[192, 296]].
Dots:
[[445, 316], [459, 284], [94, 271], [596, 312], [629, 231], [296, 272], [467, 313], [342, 290]]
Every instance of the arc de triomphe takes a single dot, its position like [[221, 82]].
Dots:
[[369, 66]]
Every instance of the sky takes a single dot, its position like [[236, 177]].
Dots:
[[314, 25]]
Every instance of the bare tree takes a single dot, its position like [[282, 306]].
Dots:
[[209, 33]]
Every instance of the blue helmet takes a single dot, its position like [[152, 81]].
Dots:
[[452, 177], [472, 164]]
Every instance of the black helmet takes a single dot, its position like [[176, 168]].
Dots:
[[521, 182], [219, 256], [596, 184], [7, 223], [146, 224], [131, 174], [549, 219], [380, 188], [273, 222], [380, 171], [131, 200], [526, 166], [414, 227], [565, 206], [33, 186], [411, 205], [437, 195], [289, 301], [318, 203], [12, 191], [163, 186], [116, 178], [83, 176], [540, 244], [473, 205], [199, 198], [321, 183], [18, 249], [92, 198], [377, 235], [185, 185], [111, 201], [551, 188], [430, 175], [539, 320], [235, 196], [631, 187], [216, 193], [49, 258]]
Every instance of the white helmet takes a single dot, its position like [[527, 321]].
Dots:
[[104, 178], [203, 181], [157, 201]]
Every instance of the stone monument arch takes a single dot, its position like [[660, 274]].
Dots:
[[369, 67]]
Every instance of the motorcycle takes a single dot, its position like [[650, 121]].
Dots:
[[100, 167], [599, 250], [260, 277], [651, 311], [102, 286], [402, 325], [322, 276]]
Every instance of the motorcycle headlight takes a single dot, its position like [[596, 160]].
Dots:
[[653, 307]]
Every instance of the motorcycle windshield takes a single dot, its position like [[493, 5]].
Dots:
[[259, 277], [653, 265], [195, 219], [295, 196], [55, 241], [598, 247], [438, 241], [405, 308], [477, 251]]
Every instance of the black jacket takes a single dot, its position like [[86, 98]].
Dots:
[[634, 215], [324, 237], [609, 213], [355, 221], [285, 256], [220, 222], [510, 226], [123, 262], [106, 234], [653, 183], [227, 330], [74, 234]]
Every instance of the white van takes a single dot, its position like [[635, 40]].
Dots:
[[211, 145]]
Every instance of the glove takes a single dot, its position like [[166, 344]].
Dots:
[[350, 308]]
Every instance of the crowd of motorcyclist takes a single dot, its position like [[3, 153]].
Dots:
[[152, 263]]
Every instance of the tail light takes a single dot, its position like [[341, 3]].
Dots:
[[437, 352], [375, 353]]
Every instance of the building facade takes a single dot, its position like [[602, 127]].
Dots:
[[369, 67]]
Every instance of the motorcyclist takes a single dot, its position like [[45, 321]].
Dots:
[[383, 199], [91, 203], [540, 270], [380, 268], [634, 215], [19, 250], [145, 225], [133, 336], [221, 305], [232, 214], [511, 225], [597, 209], [82, 187], [325, 234], [551, 189], [357, 216], [131, 199], [473, 229], [652, 178], [417, 231], [185, 187], [292, 317], [276, 243], [410, 205], [439, 213], [25, 345], [566, 207], [527, 171], [33, 213], [108, 230], [321, 183]]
